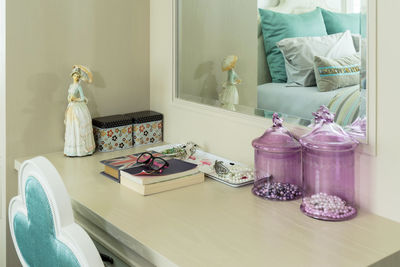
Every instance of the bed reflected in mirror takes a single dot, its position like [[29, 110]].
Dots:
[[266, 56]]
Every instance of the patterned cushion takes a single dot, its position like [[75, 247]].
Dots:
[[332, 74], [348, 106]]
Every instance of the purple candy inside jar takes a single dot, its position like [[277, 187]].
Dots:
[[276, 191], [327, 207]]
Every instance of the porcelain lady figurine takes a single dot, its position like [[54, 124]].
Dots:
[[229, 96], [79, 140]]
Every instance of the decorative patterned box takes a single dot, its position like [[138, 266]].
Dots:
[[147, 127], [113, 133]]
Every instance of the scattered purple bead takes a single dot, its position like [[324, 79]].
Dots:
[[278, 191], [327, 206]]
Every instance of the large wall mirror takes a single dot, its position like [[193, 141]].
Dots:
[[264, 56]]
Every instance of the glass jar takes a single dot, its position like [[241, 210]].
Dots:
[[277, 164], [328, 170]]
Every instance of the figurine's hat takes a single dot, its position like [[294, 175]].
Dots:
[[229, 62], [84, 72]]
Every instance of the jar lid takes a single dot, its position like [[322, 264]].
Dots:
[[327, 135], [111, 121], [277, 138]]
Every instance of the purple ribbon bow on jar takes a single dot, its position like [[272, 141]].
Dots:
[[276, 121], [323, 115]]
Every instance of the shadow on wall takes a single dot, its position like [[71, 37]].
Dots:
[[43, 107], [91, 89], [48, 106], [208, 87]]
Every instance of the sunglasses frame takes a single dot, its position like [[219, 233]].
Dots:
[[149, 162]]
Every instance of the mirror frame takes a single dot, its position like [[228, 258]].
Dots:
[[369, 147]]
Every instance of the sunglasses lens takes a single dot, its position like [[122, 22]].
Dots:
[[158, 163], [143, 158]]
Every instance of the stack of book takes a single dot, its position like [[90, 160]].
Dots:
[[129, 173]]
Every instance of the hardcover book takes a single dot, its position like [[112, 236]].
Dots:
[[177, 168], [112, 167], [148, 189]]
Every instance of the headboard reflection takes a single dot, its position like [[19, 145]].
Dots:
[[302, 6]]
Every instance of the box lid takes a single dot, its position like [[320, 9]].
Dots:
[[145, 116], [112, 121]]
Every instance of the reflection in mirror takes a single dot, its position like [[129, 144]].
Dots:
[[291, 56]]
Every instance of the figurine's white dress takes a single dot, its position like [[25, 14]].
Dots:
[[229, 95], [79, 140]]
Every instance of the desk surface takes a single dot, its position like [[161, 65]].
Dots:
[[211, 224]]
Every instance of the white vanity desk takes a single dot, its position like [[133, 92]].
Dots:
[[212, 224]]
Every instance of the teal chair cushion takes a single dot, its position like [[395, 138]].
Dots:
[[35, 233], [278, 26]]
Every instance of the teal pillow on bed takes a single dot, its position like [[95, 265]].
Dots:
[[277, 26], [341, 22]]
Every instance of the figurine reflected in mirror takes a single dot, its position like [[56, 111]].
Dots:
[[229, 96], [79, 140]]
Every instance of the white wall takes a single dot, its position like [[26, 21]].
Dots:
[[44, 39], [230, 134], [2, 133]]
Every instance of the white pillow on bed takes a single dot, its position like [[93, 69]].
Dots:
[[299, 54], [356, 41]]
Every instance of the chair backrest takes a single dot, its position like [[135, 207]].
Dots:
[[42, 223]]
